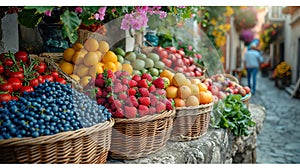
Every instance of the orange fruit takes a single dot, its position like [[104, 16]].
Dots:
[[172, 92], [109, 56], [91, 44], [110, 66], [91, 58], [179, 102], [77, 46], [103, 47], [202, 87], [168, 74], [205, 97], [68, 54], [67, 67], [128, 68]]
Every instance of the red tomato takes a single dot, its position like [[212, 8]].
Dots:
[[167, 62], [6, 87], [49, 78], [34, 82], [41, 79], [26, 89], [16, 83], [55, 74], [171, 49], [19, 75], [21, 56], [1, 69], [8, 62], [181, 52], [14, 98], [41, 67], [60, 80], [163, 54], [5, 97]]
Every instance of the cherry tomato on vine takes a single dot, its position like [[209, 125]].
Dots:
[[5, 97], [34, 82], [41, 79], [49, 78], [16, 83], [1, 69], [6, 87], [8, 62], [21, 56], [60, 80], [18, 74], [41, 67], [14, 98], [26, 89], [55, 74]]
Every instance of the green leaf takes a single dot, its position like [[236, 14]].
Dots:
[[71, 23], [29, 18], [40, 9]]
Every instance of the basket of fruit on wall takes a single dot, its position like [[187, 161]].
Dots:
[[143, 116], [193, 104], [44, 120]]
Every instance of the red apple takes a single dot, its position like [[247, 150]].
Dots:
[[214, 90], [186, 61], [163, 54], [192, 73], [181, 53], [179, 69], [167, 62], [247, 89], [191, 60], [179, 62], [198, 73], [171, 49]]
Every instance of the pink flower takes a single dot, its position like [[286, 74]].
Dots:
[[78, 9], [48, 12], [102, 10], [190, 47]]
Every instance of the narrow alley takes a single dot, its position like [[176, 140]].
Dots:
[[279, 140]]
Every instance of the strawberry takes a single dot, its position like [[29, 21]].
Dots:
[[152, 110], [168, 104], [110, 74], [118, 104], [130, 112], [113, 106], [131, 92], [118, 88], [118, 74], [125, 81], [101, 101], [143, 110], [144, 92], [104, 93], [110, 99], [153, 99], [161, 92], [119, 113], [124, 88], [160, 107], [125, 73], [99, 82], [143, 83], [134, 101], [99, 93], [136, 77], [132, 83], [99, 76], [146, 76], [122, 96], [152, 88], [144, 101], [117, 81], [159, 83], [128, 102], [109, 89]]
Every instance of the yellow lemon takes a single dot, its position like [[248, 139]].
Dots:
[[118, 66], [77, 46], [109, 56], [75, 77], [91, 44], [90, 59], [67, 68], [81, 70], [110, 66], [99, 54], [128, 68], [68, 54], [103, 46], [85, 80]]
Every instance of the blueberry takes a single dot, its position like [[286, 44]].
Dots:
[[35, 134]]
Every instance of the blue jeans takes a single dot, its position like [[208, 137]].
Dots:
[[252, 72]]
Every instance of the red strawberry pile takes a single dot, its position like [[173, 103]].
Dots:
[[131, 97], [19, 73]]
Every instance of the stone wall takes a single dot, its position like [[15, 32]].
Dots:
[[216, 146], [9, 37]]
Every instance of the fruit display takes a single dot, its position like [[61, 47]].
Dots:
[[131, 97], [221, 87], [20, 73], [51, 108], [83, 61], [178, 61], [186, 92], [141, 62]]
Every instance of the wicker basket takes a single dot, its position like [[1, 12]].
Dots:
[[85, 34], [86, 145], [138, 137], [232, 78], [191, 122]]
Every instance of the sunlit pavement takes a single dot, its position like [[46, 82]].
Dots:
[[279, 140]]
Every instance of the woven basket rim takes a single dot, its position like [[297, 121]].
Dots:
[[146, 118], [57, 137], [190, 111], [195, 107], [245, 98]]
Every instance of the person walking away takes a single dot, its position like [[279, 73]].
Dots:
[[252, 60]]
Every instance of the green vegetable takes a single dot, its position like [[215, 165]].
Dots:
[[231, 113]]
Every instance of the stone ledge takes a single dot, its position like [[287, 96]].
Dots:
[[216, 146]]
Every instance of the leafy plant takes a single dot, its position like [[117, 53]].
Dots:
[[233, 114]]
